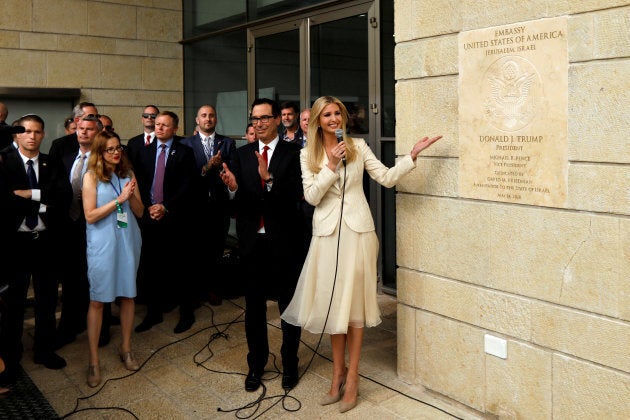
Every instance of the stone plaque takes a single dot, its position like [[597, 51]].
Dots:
[[513, 113]]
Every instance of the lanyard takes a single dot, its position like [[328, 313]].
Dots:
[[121, 219]]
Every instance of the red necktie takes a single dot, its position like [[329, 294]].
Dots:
[[148, 140], [264, 156], [262, 183]]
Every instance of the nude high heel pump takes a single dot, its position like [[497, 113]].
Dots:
[[346, 406], [128, 360], [328, 399], [94, 376]]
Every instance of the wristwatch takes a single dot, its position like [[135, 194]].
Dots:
[[269, 180]]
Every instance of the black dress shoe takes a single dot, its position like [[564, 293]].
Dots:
[[50, 360], [148, 322], [214, 299], [253, 381], [104, 337], [184, 324], [289, 380]]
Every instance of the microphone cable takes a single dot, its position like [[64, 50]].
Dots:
[[158, 350], [285, 396]]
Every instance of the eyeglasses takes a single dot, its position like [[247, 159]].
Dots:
[[107, 127], [112, 150], [263, 119], [152, 116]]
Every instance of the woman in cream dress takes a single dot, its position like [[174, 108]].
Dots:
[[336, 292]]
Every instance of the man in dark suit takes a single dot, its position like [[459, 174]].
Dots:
[[135, 144], [36, 196], [69, 144], [265, 179], [6, 137], [166, 175], [211, 150], [71, 154]]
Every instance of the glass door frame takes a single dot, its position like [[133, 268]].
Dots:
[[303, 23]]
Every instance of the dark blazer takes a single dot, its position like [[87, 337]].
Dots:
[[5, 137], [179, 179], [134, 145], [54, 192], [279, 206], [63, 146], [211, 180]]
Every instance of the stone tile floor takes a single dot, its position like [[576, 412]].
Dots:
[[200, 374]]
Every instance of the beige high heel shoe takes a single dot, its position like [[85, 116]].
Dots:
[[328, 399], [128, 360], [346, 406], [94, 376]]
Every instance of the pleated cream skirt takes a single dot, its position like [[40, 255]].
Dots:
[[354, 297]]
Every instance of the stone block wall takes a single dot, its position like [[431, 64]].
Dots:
[[553, 282], [122, 54]]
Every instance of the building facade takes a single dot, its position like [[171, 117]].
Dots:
[[512, 308]]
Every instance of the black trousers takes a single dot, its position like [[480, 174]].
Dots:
[[166, 270], [268, 277], [208, 246], [32, 258], [73, 275]]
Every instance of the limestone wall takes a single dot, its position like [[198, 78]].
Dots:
[[554, 282], [122, 54]]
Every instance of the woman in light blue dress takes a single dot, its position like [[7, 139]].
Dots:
[[110, 201]]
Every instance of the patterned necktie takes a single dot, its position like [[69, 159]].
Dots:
[[207, 147], [158, 185], [31, 219], [75, 206], [148, 140]]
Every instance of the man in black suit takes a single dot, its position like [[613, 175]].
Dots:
[[211, 150], [71, 154], [69, 144], [265, 179], [35, 202], [6, 137], [135, 144], [166, 175]]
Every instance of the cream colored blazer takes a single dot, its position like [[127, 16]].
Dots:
[[324, 189]]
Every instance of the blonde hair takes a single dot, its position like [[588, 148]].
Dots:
[[315, 144]]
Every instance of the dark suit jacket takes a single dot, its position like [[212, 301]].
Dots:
[[134, 145], [63, 146], [54, 192], [211, 181], [279, 206], [180, 177]]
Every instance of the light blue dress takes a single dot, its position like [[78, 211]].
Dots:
[[113, 253]]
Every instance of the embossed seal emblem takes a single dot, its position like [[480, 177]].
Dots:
[[512, 93]]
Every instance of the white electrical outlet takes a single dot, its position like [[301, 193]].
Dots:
[[495, 346]]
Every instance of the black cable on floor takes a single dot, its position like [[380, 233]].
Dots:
[[113, 408]]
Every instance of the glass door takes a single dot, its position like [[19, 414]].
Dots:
[[339, 66], [332, 52], [275, 62]]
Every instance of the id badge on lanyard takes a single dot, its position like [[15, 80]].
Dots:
[[121, 216]]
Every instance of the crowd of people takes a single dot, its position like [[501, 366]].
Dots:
[[117, 223]]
